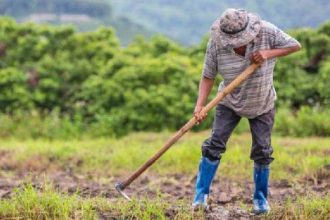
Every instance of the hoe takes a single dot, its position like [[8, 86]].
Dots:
[[120, 186]]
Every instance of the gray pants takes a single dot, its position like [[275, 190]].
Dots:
[[224, 123]]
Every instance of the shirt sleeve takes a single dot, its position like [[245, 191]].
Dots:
[[210, 68], [282, 39]]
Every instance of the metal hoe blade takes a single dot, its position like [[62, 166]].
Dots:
[[119, 188]]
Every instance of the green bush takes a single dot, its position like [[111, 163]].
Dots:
[[13, 90], [305, 122], [79, 81]]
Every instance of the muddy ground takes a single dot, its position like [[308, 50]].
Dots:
[[227, 201]]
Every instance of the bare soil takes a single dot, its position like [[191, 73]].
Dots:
[[230, 199]]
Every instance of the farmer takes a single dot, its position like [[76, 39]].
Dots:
[[239, 38]]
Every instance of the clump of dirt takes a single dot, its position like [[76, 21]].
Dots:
[[6, 161]]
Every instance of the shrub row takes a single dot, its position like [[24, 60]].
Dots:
[[86, 80]]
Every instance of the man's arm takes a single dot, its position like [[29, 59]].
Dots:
[[281, 44], [210, 71], [205, 87], [262, 55]]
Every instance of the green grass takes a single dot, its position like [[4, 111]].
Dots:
[[294, 157], [29, 203], [311, 208]]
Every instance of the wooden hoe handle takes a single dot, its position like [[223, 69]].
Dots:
[[228, 89]]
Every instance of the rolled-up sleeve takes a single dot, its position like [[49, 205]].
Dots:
[[283, 40], [210, 68]]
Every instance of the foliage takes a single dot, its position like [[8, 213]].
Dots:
[[57, 78], [303, 78], [13, 89], [305, 122]]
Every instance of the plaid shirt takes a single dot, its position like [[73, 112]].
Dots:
[[257, 94]]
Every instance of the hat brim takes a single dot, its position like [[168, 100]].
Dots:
[[240, 39]]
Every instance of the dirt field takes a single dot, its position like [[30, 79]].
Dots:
[[229, 200], [83, 174]]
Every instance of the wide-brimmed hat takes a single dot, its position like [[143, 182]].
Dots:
[[235, 28]]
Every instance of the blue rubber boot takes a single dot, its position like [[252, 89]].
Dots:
[[261, 176], [207, 170]]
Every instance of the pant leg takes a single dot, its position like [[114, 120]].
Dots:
[[225, 121], [261, 130]]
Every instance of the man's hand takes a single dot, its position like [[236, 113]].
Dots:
[[260, 56], [198, 115]]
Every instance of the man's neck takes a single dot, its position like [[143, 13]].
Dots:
[[240, 50]]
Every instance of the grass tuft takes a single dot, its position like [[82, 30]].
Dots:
[[28, 203], [303, 208]]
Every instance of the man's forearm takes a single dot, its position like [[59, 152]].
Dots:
[[262, 55], [282, 51], [205, 87]]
